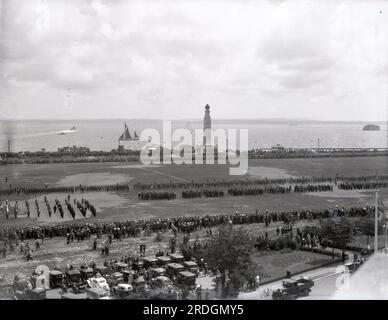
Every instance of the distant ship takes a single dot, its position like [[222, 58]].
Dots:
[[127, 137], [65, 132], [371, 127]]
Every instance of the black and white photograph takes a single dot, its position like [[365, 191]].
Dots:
[[203, 151]]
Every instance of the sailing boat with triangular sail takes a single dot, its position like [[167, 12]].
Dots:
[[132, 142], [126, 136]]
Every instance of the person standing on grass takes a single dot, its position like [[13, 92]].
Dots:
[[22, 248], [28, 209], [27, 247], [343, 256], [28, 255], [7, 210], [4, 251], [257, 281], [199, 292], [16, 209]]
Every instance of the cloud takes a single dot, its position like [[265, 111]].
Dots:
[[125, 58]]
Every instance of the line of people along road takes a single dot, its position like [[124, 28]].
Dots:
[[185, 224]]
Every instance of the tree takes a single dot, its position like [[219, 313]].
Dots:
[[338, 231], [366, 226], [230, 252]]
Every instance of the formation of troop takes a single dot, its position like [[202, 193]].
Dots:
[[235, 191], [229, 183], [313, 188], [82, 205], [152, 191], [251, 182], [5, 209], [18, 190], [362, 185], [191, 194], [156, 195]]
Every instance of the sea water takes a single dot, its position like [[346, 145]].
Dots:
[[34, 135]]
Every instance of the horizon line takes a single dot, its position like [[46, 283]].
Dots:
[[193, 119]]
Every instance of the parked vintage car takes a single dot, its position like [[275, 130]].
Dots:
[[114, 279], [122, 290], [96, 293], [161, 282], [149, 262], [293, 289], [99, 283], [156, 272], [192, 267], [56, 279], [163, 260], [138, 266], [102, 270], [74, 278], [128, 275], [86, 273], [352, 266], [186, 279], [138, 284], [22, 290], [119, 266], [73, 296], [176, 258], [172, 269]]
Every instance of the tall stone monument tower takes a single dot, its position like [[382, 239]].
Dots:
[[207, 126]]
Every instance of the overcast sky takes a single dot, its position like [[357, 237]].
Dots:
[[322, 60]]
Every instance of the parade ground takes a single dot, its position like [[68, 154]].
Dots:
[[121, 205], [116, 206]]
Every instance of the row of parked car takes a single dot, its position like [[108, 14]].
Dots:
[[149, 273]]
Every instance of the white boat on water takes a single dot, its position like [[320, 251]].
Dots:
[[65, 132]]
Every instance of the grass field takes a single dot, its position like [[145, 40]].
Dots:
[[125, 205], [56, 174], [275, 264]]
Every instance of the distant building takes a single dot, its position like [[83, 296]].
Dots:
[[73, 149], [278, 148]]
